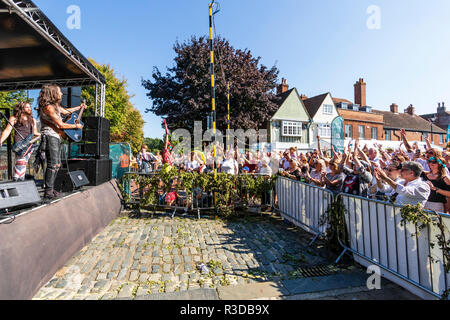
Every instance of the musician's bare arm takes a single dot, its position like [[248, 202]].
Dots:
[[8, 129], [35, 128], [51, 112], [64, 111], [68, 111]]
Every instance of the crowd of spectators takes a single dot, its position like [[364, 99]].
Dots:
[[407, 175]]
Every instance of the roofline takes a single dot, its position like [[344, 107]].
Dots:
[[32, 15], [326, 94]]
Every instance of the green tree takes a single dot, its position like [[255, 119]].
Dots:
[[183, 93], [127, 124], [8, 99], [154, 144]]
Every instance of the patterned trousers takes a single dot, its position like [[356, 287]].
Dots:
[[20, 168]]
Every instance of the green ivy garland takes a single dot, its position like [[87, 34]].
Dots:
[[229, 190], [335, 218]]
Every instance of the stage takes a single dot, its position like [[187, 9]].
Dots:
[[36, 242]]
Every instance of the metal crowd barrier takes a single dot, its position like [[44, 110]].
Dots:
[[304, 205], [185, 202], [198, 200], [378, 237]]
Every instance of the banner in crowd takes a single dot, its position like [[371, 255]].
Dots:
[[338, 134]]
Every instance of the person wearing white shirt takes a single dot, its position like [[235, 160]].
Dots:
[[145, 158], [230, 165], [380, 188], [192, 165], [415, 190]]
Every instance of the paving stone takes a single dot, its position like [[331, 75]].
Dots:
[[134, 275], [126, 291], [156, 268], [143, 277], [167, 268]]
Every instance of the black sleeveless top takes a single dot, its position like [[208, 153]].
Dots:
[[439, 183], [24, 129]]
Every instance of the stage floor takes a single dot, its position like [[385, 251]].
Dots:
[[36, 241], [10, 215]]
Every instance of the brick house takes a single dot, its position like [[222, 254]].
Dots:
[[359, 120], [441, 118], [416, 127]]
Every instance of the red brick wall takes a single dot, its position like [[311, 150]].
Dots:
[[417, 136], [366, 119]]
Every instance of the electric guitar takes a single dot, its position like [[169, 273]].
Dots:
[[76, 134], [22, 147]]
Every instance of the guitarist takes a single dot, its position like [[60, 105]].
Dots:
[[24, 124], [52, 129]]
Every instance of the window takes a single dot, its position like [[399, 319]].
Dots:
[[441, 139], [324, 130], [349, 131], [425, 136], [388, 135], [361, 132], [327, 109], [375, 133], [292, 129]]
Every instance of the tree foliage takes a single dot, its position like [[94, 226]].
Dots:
[[154, 144], [9, 99], [126, 121], [183, 94]]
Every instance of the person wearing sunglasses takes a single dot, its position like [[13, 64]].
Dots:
[[437, 180], [414, 190], [382, 189]]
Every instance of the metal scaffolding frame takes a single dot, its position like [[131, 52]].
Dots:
[[34, 17]]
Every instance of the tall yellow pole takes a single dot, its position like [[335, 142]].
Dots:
[[213, 90]]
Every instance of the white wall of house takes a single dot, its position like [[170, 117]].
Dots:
[[322, 122]]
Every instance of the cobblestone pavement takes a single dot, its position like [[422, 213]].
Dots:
[[137, 257]]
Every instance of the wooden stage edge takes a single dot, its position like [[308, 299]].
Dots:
[[40, 241]]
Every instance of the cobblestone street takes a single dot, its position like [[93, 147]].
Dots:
[[138, 257]]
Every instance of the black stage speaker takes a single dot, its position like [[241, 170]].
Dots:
[[18, 194], [98, 171], [70, 181], [96, 137], [95, 150]]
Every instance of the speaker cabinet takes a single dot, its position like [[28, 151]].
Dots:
[[98, 171], [70, 181], [96, 137], [18, 194], [97, 123], [95, 150]]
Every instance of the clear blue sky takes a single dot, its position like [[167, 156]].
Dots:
[[318, 46]]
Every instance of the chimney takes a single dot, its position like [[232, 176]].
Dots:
[[410, 110], [360, 93], [303, 97], [283, 87], [394, 108], [441, 108]]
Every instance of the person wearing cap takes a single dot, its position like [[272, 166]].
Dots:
[[415, 190]]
